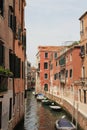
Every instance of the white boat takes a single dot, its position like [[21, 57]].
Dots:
[[40, 97], [64, 124], [55, 107]]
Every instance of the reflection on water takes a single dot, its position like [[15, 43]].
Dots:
[[39, 117]]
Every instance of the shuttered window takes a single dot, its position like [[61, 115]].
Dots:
[[11, 19], [19, 34], [14, 63]]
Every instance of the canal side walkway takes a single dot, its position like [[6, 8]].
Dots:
[[82, 108]]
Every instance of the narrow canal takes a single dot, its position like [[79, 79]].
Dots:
[[37, 116]]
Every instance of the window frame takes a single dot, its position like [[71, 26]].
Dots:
[[45, 76], [45, 65], [46, 54], [71, 73]]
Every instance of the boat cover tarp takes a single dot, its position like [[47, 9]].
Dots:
[[64, 123]]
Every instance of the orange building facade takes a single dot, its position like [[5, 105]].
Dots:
[[43, 65]]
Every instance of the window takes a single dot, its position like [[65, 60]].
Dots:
[[11, 19], [1, 7], [55, 55], [81, 26], [10, 109], [57, 63], [70, 73], [54, 76], [46, 55], [1, 54], [45, 87], [15, 63], [38, 66], [45, 65], [66, 73], [83, 72], [45, 76]]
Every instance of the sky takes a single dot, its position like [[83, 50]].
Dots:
[[52, 23]]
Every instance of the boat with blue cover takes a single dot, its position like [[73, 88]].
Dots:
[[64, 124]]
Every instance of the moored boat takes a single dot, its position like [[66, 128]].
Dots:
[[54, 107], [64, 124], [40, 97], [46, 102]]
